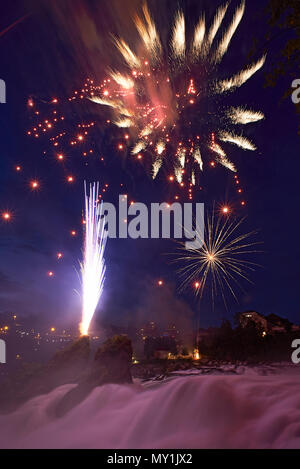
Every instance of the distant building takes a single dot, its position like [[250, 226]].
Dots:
[[149, 330], [270, 324], [160, 347], [172, 331], [252, 316]]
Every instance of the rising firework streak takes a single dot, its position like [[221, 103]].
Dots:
[[93, 265]]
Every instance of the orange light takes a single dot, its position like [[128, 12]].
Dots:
[[160, 283], [60, 157], [52, 329], [50, 274], [225, 210], [73, 233], [34, 185], [197, 285], [18, 168], [6, 216], [70, 179], [59, 255]]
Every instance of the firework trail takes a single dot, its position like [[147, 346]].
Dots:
[[93, 266], [170, 99], [221, 261], [20, 20]]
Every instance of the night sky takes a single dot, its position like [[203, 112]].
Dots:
[[49, 54]]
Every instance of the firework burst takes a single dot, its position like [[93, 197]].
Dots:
[[221, 262], [170, 98], [93, 266]]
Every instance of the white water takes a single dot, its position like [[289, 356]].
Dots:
[[247, 411]]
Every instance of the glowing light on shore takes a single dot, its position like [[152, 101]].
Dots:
[[93, 265]]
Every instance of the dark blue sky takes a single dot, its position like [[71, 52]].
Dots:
[[49, 54]]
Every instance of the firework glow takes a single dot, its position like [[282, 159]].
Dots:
[[221, 262], [161, 96], [93, 265], [167, 107]]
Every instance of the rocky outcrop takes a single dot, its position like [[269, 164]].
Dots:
[[66, 367], [112, 364]]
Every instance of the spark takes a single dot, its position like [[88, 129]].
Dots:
[[157, 164], [129, 56], [181, 158], [239, 79], [178, 40], [93, 265], [198, 158], [178, 174], [34, 185], [241, 115], [222, 158], [199, 35], [123, 123], [238, 140], [138, 147], [149, 34], [122, 80], [223, 46], [160, 148], [6, 216], [216, 25]]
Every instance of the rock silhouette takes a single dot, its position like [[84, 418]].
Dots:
[[112, 364]]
